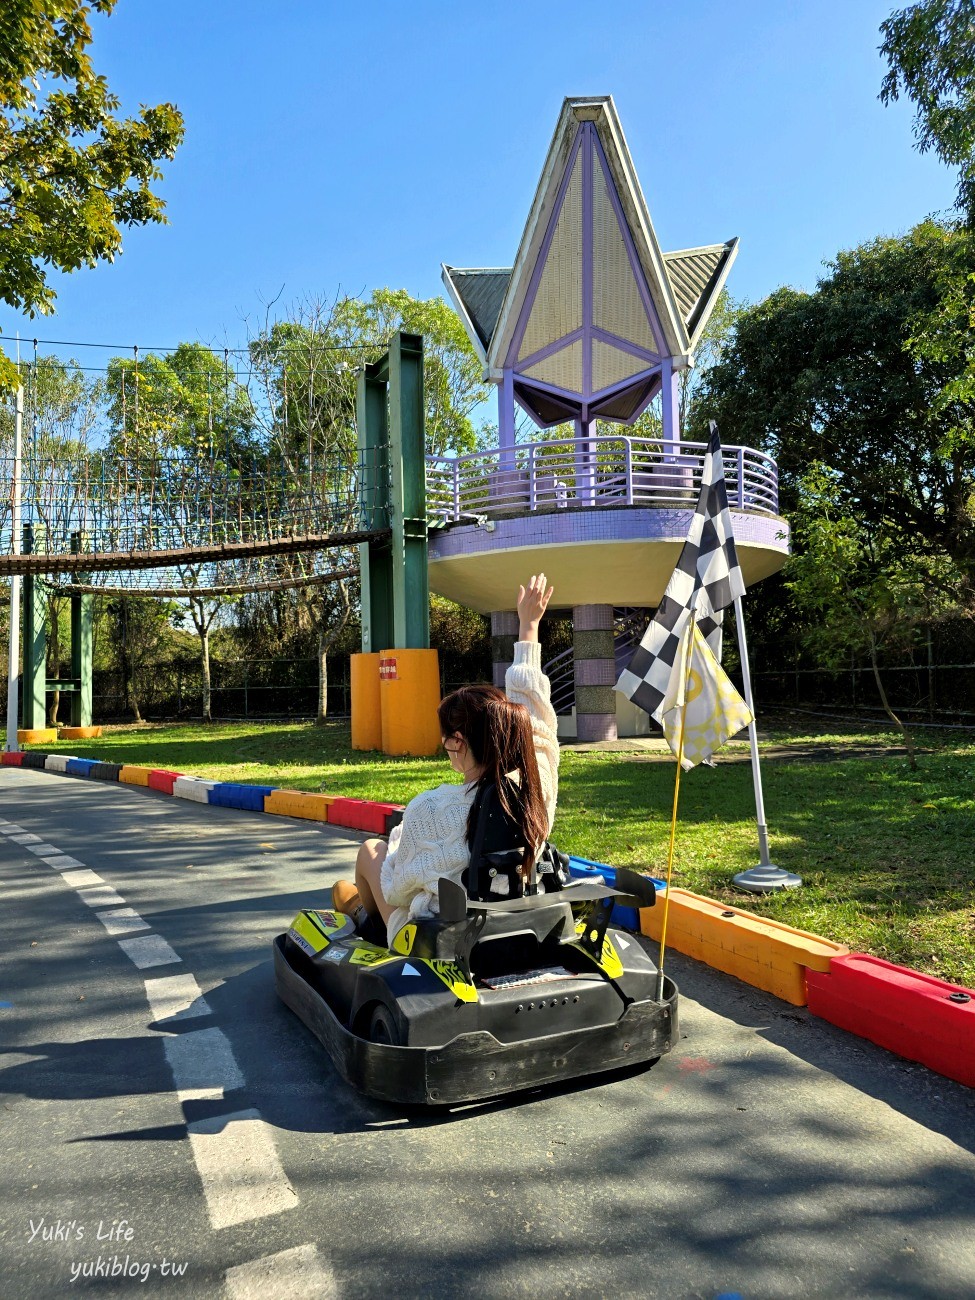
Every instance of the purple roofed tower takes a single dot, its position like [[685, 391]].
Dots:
[[591, 323]]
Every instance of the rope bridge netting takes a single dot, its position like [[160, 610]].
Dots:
[[107, 505], [95, 517]]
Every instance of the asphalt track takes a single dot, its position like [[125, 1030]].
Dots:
[[769, 1155]]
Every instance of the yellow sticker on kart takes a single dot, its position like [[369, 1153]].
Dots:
[[609, 959], [369, 955], [454, 978], [309, 937], [403, 942]]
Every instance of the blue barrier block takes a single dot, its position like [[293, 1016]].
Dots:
[[231, 794], [627, 918], [80, 766]]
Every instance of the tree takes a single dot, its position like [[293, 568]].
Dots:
[[304, 374], [186, 404], [857, 376], [71, 171], [930, 53], [61, 410], [453, 382], [186, 418], [860, 593], [137, 630]]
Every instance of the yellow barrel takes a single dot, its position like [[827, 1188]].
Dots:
[[367, 727], [409, 688], [37, 736]]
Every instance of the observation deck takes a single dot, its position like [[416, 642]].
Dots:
[[605, 518]]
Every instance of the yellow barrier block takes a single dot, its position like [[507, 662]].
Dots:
[[367, 721], [409, 692], [765, 953], [37, 736], [132, 775], [80, 733], [297, 803]]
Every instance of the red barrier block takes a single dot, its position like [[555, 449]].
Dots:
[[918, 1016], [12, 760], [365, 815], [161, 779]]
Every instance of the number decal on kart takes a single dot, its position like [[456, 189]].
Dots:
[[403, 942]]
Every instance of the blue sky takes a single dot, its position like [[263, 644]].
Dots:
[[336, 145]]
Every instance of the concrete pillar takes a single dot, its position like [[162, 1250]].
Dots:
[[595, 672], [504, 634]]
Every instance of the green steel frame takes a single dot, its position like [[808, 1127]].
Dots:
[[394, 575], [35, 682]]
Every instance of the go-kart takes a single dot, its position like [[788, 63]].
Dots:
[[490, 997]]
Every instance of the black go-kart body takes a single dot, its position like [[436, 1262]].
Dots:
[[489, 997]]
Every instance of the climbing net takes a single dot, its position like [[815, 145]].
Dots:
[[113, 495]]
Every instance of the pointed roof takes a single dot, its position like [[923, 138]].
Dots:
[[697, 276], [601, 111], [478, 294], [679, 289]]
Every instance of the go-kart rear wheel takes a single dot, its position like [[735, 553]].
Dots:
[[383, 1028]]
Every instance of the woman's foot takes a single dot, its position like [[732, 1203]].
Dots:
[[345, 898]]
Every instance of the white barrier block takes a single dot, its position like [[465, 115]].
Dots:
[[57, 762], [192, 787]]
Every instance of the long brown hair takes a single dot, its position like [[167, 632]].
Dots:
[[499, 735]]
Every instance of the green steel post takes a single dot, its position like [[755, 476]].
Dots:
[[34, 681], [375, 559], [408, 515], [82, 626]]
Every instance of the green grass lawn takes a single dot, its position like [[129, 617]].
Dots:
[[887, 855]]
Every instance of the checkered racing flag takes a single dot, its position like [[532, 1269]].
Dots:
[[707, 579]]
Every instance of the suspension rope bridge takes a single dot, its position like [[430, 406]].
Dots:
[[166, 492], [116, 521]]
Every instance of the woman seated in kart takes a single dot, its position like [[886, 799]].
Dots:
[[489, 735]]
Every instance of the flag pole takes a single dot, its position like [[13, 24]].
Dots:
[[766, 876], [673, 815]]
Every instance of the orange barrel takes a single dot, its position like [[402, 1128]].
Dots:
[[367, 727], [409, 687]]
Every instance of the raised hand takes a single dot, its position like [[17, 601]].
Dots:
[[532, 603]]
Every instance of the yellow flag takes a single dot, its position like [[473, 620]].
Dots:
[[715, 710]]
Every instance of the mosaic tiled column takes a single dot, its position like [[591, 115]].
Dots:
[[504, 634], [595, 672]]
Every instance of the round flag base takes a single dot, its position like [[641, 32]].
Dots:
[[766, 879]]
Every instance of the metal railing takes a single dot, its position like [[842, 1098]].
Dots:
[[589, 473]]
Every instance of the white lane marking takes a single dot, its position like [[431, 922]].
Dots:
[[203, 1064], [26, 837], [148, 950], [11, 828], [239, 1168], [62, 862], [78, 878], [124, 920], [42, 850], [100, 896], [297, 1274], [176, 997]]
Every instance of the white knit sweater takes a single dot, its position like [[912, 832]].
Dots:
[[430, 841]]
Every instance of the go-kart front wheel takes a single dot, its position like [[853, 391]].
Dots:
[[383, 1028]]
